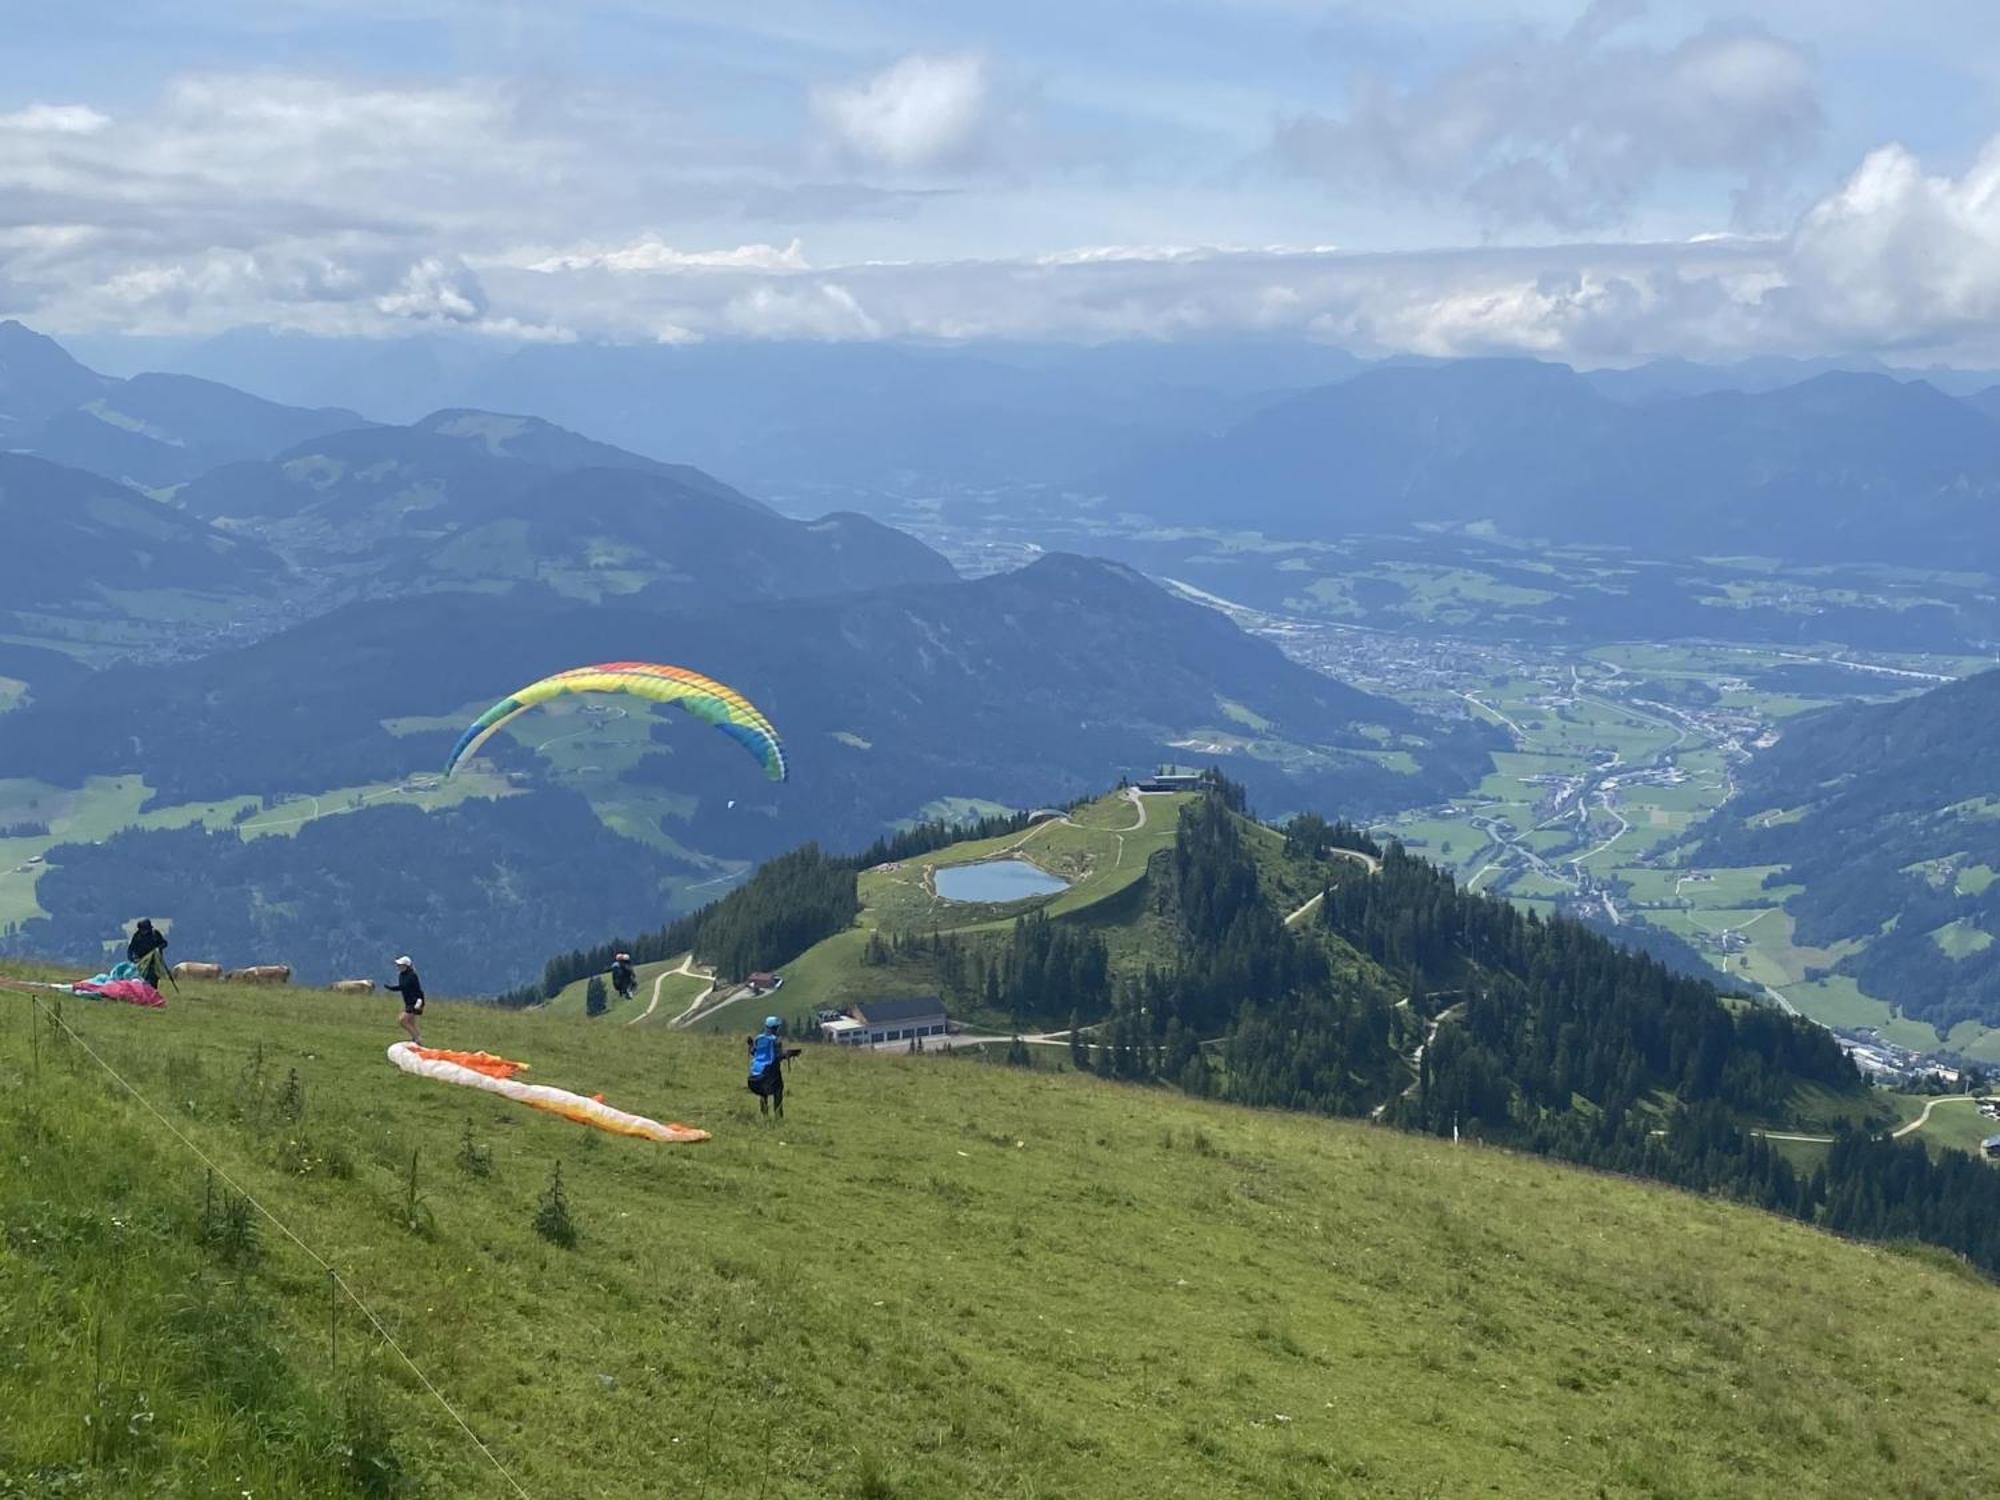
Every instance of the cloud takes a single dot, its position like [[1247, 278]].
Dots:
[[827, 310], [1893, 260], [1570, 130], [650, 253], [55, 119], [923, 111], [435, 290], [340, 208], [1897, 256]]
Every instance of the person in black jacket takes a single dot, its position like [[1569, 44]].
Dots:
[[624, 979], [411, 989], [148, 950]]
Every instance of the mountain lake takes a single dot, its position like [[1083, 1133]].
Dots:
[[995, 880]]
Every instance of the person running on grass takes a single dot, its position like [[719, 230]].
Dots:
[[768, 1056], [148, 950], [411, 989]]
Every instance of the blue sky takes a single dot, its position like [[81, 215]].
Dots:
[[1602, 182]]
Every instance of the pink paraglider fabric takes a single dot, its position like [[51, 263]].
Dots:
[[131, 991]]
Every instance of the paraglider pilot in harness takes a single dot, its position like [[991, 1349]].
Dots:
[[768, 1056], [623, 979], [148, 949]]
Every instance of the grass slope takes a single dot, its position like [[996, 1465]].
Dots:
[[937, 1278]]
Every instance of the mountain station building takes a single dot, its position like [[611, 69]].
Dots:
[[876, 1021]]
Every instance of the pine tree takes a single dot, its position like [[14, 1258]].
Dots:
[[595, 1001]]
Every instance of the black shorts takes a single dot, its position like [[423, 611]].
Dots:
[[413, 1007], [769, 1086]]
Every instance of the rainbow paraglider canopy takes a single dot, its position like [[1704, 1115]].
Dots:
[[708, 700]]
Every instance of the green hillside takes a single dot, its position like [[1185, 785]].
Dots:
[[1102, 848], [935, 1279], [1878, 825]]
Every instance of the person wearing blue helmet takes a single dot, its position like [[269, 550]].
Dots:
[[768, 1056]]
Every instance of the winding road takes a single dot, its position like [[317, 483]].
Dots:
[[688, 970]]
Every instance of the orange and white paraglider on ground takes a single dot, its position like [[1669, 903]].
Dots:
[[482, 1070]]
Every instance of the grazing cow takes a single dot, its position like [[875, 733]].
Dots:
[[354, 987], [260, 974], [197, 971]]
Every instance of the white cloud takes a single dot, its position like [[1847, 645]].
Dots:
[[305, 203], [650, 253], [1569, 130], [827, 310], [435, 290], [55, 119], [923, 111], [1898, 256]]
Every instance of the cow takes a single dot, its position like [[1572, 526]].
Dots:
[[354, 986], [260, 974], [197, 971]]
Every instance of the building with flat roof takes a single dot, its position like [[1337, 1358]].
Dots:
[[876, 1021]]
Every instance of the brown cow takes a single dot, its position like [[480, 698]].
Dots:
[[260, 974], [197, 971], [354, 986]]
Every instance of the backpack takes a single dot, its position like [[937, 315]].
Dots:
[[763, 1055]]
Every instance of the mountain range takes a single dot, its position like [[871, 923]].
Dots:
[[153, 430], [1840, 467], [1010, 689], [465, 499]]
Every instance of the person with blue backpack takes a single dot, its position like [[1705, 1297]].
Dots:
[[768, 1056]]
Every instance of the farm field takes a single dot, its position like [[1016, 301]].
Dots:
[[1562, 819]]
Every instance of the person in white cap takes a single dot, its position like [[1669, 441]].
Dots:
[[411, 989]]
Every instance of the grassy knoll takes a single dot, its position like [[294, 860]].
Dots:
[[1101, 848], [1954, 1121], [936, 1279]]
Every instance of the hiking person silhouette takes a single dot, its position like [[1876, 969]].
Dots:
[[768, 1055]]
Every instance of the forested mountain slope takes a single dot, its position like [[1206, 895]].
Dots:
[[1889, 816]]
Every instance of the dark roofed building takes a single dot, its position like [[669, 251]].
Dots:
[[1172, 781], [897, 1021]]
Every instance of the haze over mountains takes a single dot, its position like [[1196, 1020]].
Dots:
[[1823, 460], [1840, 467]]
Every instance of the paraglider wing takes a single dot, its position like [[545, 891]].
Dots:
[[482, 1070], [708, 700]]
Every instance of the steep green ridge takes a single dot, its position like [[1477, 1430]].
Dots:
[[1886, 815], [935, 1279]]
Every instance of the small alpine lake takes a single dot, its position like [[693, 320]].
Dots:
[[996, 881]]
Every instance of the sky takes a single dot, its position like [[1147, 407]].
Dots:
[[1600, 182]]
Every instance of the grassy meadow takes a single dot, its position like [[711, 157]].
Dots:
[[936, 1278]]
